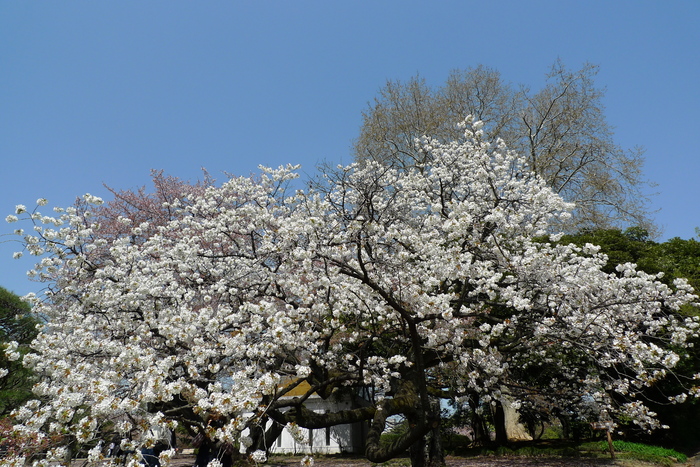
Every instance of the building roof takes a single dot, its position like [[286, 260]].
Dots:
[[299, 390]]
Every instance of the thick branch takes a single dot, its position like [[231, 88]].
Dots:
[[309, 419], [407, 403]]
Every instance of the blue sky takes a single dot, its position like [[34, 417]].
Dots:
[[95, 93]]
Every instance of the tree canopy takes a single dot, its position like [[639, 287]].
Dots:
[[560, 130], [397, 286], [672, 259], [17, 326]]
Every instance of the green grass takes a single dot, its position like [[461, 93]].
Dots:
[[637, 451], [553, 448], [525, 451], [596, 449]]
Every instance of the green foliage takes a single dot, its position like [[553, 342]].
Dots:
[[645, 449], [680, 258], [638, 451], [528, 449], [631, 246], [594, 449], [16, 322], [19, 325], [388, 438], [504, 451], [675, 258]]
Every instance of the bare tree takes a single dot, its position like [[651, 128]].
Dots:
[[402, 114], [561, 130]]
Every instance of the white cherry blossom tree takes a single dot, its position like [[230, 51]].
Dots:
[[399, 287]]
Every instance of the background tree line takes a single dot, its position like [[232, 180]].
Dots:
[[19, 325]]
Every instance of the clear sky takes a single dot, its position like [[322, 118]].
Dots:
[[101, 92]]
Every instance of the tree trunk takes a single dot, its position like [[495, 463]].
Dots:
[[417, 453], [263, 441], [515, 429], [436, 454], [257, 435], [499, 423], [565, 425], [405, 401], [481, 434]]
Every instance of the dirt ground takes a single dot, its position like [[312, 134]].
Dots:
[[463, 462]]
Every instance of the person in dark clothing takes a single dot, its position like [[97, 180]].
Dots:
[[164, 439], [209, 450]]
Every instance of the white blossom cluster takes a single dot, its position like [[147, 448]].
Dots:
[[377, 276]]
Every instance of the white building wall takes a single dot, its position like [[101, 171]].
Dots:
[[332, 440]]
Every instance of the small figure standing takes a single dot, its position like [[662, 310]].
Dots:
[[210, 450]]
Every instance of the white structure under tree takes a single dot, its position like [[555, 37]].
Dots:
[[348, 438]]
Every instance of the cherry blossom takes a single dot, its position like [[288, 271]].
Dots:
[[397, 286]]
